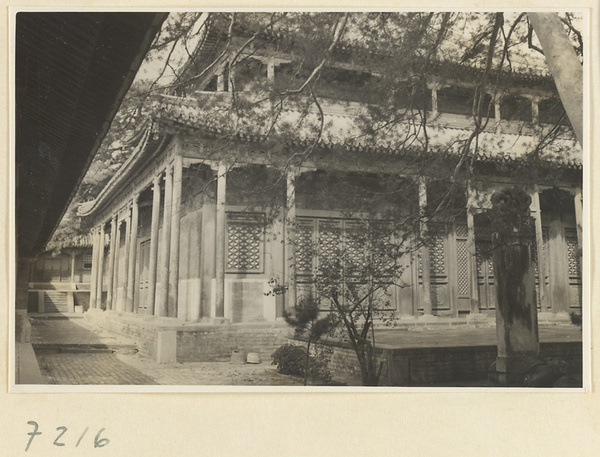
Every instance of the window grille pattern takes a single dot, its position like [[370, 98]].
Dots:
[[437, 258], [329, 241], [304, 247], [462, 231], [463, 267], [572, 253], [337, 243], [244, 242], [484, 233], [87, 261], [354, 249]]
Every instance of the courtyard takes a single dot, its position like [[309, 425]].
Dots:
[[71, 350]]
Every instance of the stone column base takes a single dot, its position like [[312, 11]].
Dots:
[[166, 346]]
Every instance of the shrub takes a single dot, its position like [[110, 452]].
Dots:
[[290, 359]]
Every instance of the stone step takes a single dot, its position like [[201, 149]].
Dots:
[[85, 348], [55, 301]]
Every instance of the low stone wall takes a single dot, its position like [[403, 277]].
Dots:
[[216, 342], [427, 366], [143, 330], [169, 340]]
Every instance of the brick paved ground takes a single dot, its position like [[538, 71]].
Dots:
[[85, 366], [89, 368], [74, 330], [210, 373]]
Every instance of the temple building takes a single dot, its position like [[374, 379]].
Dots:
[[213, 206], [60, 282]]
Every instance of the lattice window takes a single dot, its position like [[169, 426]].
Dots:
[[87, 261], [462, 231], [484, 233], [354, 249], [304, 246], [329, 241], [463, 267], [572, 253], [437, 258], [245, 239]]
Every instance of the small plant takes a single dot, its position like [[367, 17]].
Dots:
[[576, 319], [291, 360], [306, 321]]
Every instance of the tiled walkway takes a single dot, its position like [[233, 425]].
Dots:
[[89, 368], [75, 352]]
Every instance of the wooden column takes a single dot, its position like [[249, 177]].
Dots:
[[115, 304], [559, 274], [153, 244], [290, 240], [539, 246], [100, 284], [132, 255], [72, 252], [173, 309], [111, 262], [472, 249], [162, 292], [123, 303], [426, 274], [220, 241], [94, 272]]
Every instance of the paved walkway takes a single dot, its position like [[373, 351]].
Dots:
[[75, 352]]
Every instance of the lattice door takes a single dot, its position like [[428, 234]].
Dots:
[[440, 294], [535, 260], [485, 268], [463, 266]]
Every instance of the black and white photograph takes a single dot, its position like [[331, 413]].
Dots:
[[300, 200]]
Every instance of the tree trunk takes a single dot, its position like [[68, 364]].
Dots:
[[564, 66]]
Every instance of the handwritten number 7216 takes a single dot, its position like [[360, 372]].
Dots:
[[62, 430]]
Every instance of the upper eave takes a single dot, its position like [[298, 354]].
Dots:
[[151, 143]]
